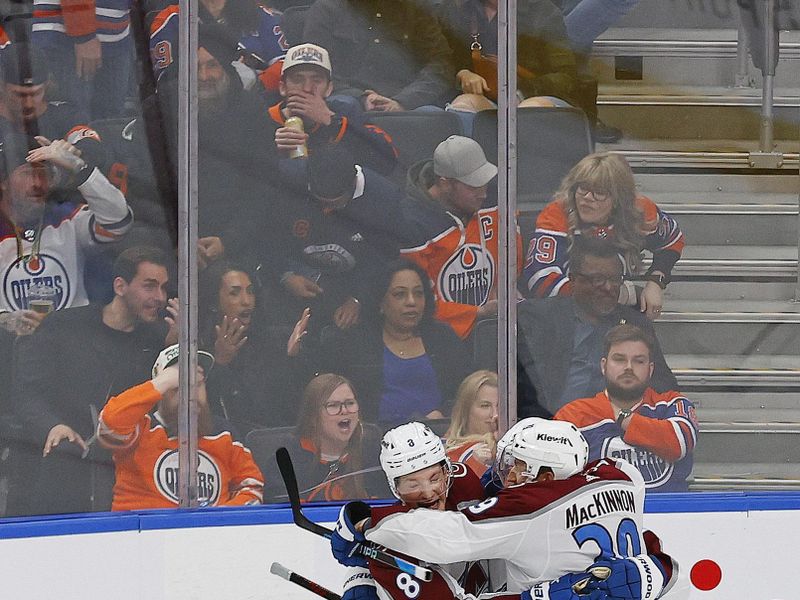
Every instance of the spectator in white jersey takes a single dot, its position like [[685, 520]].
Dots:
[[44, 240], [539, 524]]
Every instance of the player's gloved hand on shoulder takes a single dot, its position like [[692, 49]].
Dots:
[[637, 578], [359, 585], [346, 539]]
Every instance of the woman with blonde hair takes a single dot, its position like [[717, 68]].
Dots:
[[473, 432], [598, 198]]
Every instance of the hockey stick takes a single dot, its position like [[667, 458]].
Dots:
[[365, 549], [281, 571]]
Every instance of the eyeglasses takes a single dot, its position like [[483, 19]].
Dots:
[[596, 196], [336, 408], [598, 280]]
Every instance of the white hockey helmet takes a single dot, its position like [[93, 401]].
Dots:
[[410, 448], [508, 437], [558, 445]]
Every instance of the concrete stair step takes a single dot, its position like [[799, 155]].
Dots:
[[731, 311], [760, 405], [735, 373], [717, 291], [737, 262], [686, 155], [731, 336]]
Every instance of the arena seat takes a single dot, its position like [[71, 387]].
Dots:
[[550, 142], [416, 134]]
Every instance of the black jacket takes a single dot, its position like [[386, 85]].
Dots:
[[543, 46], [546, 330], [357, 354]]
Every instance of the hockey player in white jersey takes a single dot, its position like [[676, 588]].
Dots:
[[44, 235], [555, 516]]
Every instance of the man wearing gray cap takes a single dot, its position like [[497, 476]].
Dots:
[[456, 230]]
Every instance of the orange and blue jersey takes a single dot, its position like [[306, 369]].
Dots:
[[5, 41], [659, 440], [266, 40], [146, 458], [547, 260], [82, 20]]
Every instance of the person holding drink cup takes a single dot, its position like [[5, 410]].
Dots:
[[45, 236]]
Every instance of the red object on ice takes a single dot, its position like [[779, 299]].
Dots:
[[705, 575]]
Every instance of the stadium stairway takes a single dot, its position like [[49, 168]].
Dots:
[[689, 107]]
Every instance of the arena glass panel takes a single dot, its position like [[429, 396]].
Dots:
[[271, 234]]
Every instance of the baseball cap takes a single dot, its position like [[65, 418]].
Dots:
[[462, 158], [169, 356], [23, 64], [307, 54]]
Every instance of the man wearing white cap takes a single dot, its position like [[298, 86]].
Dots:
[[305, 86], [145, 448], [456, 230]]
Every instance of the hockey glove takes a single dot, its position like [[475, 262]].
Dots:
[[564, 588], [359, 585], [345, 539], [637, 578]]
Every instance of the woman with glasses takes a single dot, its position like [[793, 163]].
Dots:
[[405, 364], [473, 432], [331, 449], [598, 198]]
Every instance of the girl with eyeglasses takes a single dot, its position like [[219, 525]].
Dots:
[[598, 198], [331, 448]]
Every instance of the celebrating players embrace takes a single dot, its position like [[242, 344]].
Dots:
[[558, 529]]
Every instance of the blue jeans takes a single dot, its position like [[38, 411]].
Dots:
[[102, 97], [587, 19]]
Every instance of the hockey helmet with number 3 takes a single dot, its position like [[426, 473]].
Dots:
[[558, 445], [410, 448]]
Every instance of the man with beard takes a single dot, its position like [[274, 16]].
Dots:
[[560, 340], [655, 432], [146, 448], [44, 240]]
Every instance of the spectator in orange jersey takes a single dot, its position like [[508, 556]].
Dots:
[[655, 432], [472, 436], [331, 447], [145, 448], [453, 230], [598, 199]]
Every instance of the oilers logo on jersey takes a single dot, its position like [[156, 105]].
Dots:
[[43, 269], [165, 475], [467, 276], [654, 469]]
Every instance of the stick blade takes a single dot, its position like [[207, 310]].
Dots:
[[286, 468]]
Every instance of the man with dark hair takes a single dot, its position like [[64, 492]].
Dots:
[[74, 362], [655, 432], [305, 87], [560, 340]]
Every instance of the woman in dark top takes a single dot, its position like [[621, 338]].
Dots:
[[254, 382], [330, 448], [405, 364]]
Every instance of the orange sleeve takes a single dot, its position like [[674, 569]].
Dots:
[[246, 484], [79, 17], [553, 218], [461, 317], [121, 414], [583, 412], [657, 435]]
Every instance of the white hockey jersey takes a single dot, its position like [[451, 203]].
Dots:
[[68, 232], [542, 530]]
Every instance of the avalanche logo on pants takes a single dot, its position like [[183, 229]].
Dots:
[[467, 276], [165, 475]]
